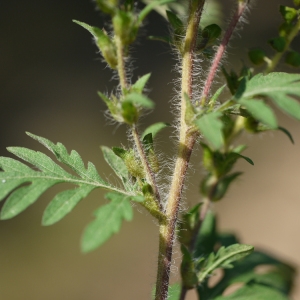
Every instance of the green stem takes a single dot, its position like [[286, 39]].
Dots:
[[124, 85], [149, 173], [277, 57], [121, 64], [186, 144]]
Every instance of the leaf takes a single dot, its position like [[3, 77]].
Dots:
[[257, 56], [175, 22], [278, 43], [116, 163], [206, 237], [211, 127], [104, 43], [154, 129], [254, 292], [139, 85], [94, 31], [280, 277], [246, 158], [189, 225], [63, 203], [216, 95], [296, 2], [209, 34], [288, 104], [288, 13], [260, 111], [139, 100], [277, 86], [165, 39], [46, 174], [72, 160], [148, 8], [223, 185], [108, 221], [112, 107], [292, 58], [214, 14], [285, 131], [129, 112], [190, 111], [224, 258], [187, 269]]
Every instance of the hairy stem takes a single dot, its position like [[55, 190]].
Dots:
[[272, 64], [123, 82], [121, 64], [221, 50], [186, 144], [149, 173]]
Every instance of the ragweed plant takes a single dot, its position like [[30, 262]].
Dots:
[[204, 116]]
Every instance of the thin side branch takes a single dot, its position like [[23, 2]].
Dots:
[[272, 64], [221, 50], [149, 173], [124, 84]]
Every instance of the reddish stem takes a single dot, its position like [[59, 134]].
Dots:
[[221, 50]]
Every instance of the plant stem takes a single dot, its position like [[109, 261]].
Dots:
[[186, 144], [123, 82], [277, 57], [182, 293], [149, 173], [121, 64], [221, 50]]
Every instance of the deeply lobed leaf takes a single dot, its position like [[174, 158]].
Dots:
[[108, 221], [25, 185]]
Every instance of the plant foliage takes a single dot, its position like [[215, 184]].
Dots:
[[213, 120]]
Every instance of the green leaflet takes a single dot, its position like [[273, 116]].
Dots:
[[23, 197], [211, 127], [216, 95], [104, 43], [46, 174], [150, 7], [139, 100], [224, 258], [139, 85], [72, 160], [108, 221], [188, 227], [277, 86], [260, 111], [63, 203], [154, 129], [287, 133], [188, 269], [206, 236], [176, 24], [279, 277], [117, 164], [254, 292]]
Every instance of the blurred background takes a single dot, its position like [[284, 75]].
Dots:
[[50, 72]]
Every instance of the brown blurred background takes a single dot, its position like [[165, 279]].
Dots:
[[49, 74]]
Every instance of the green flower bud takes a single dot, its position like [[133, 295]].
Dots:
[[125, 26]]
